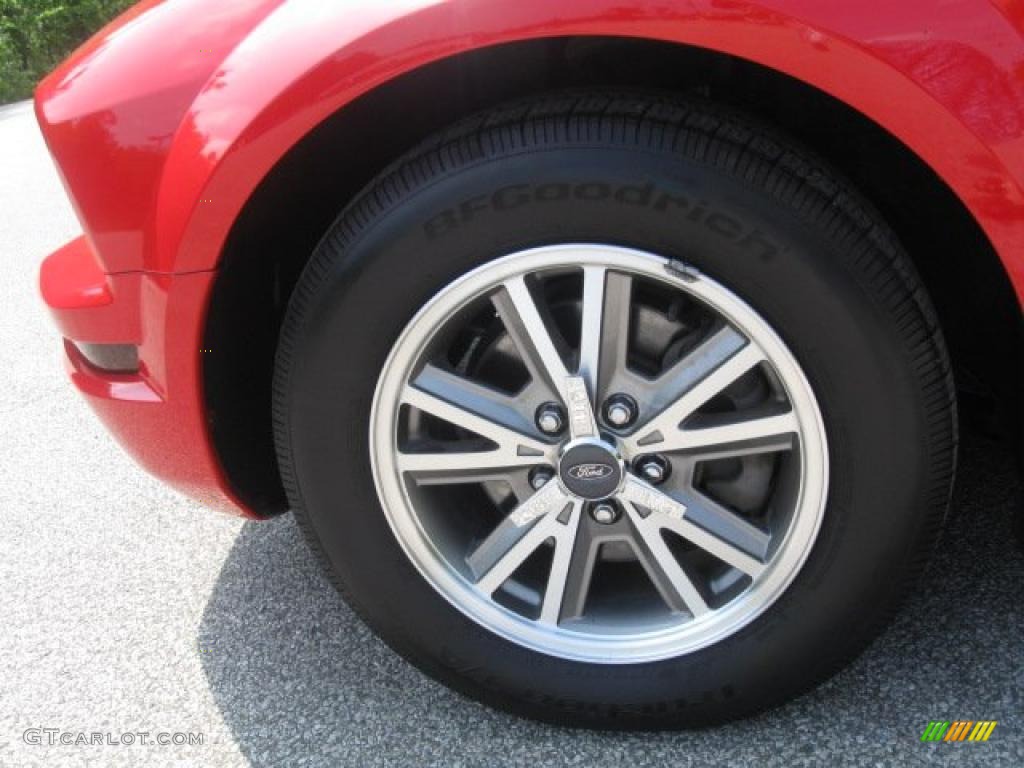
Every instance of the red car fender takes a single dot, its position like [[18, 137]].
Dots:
[[164, 124], [948, 86]]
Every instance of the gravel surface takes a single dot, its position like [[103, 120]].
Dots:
[[127, 608]]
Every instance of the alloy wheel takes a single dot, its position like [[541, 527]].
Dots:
[[598, 453]]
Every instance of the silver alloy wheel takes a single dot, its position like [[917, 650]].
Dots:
[[557, 541]]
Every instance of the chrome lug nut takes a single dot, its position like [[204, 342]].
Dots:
[[620, 410], [653, 469], [540, 477], [653, 472], [604, 513], [618, 415], [550, 419]]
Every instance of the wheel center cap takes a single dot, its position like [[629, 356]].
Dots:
[[591, 469]]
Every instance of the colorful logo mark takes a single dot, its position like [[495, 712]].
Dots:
[[958, 730]]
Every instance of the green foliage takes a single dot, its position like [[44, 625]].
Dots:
[[35, 35]]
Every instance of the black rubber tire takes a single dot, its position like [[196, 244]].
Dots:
[[762, 216]]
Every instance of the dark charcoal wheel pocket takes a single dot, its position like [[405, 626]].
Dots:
[[616, 411]]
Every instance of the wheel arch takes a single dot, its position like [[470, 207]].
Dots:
[[280, 222]]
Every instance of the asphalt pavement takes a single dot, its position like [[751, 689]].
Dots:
[[126, 608]]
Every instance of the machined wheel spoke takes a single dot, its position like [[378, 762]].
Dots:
[[613, 331], [486, 402], [480, 409], [720, 548], [462, 466], [514, 449], [672, 582], [708, 374], [579, 570], [726, 526], [592, 322], [706, 524], [517, 536], [558, 578], [530, 331], [742, 437]]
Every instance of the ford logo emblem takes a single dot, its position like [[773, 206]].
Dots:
[[590, 471]]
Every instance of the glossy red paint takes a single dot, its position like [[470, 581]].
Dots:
[[165, 123], [88, 304], [155, 413]]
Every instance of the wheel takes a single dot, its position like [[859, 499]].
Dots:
[[616, 410]]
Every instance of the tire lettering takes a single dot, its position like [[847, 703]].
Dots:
[[647, 195]]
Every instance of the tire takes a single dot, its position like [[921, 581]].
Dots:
[[719, 200]]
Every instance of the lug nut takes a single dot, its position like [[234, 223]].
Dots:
[[653, 472], [620, 410], [540, 477], [653, 469], [604, 513], [550, 419]]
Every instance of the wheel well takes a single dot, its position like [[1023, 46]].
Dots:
[[295, 204]]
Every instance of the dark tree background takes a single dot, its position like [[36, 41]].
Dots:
[[35, 35]]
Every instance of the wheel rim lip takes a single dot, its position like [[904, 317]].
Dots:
[[619, 648]]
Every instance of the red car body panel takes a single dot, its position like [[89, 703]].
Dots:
[[166, 121]]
